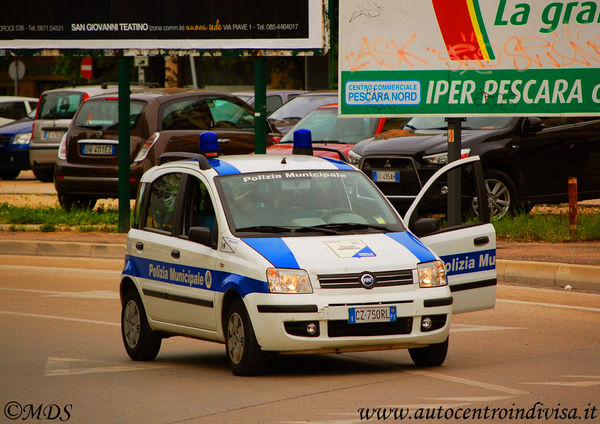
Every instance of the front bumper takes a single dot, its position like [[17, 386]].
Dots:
[[279, 321], [12, 157]]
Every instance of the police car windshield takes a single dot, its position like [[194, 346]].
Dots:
[[301, 203]]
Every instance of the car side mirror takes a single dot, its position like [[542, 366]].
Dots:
[[425, 226], [531, 126], [200, 235]]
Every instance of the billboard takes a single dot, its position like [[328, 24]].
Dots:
[[159, 25], [469, 57]]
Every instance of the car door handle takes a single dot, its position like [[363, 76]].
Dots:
[[478, 241], [175, 254], [139, 245], [223, 140]]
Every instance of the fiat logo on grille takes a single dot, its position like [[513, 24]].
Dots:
[[367, 280]]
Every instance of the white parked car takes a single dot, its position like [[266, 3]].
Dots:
[[295, 253]]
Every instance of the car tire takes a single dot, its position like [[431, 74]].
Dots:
[[45, 175], [9, 175], [433, 355], [243, 352], [502, 194], [70, 201], [141, 343]]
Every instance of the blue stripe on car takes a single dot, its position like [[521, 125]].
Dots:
[[191, 276], [274, 250], [342, 166], [222, 167], [414, 245], [467, 262]]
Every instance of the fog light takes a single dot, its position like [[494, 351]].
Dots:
[[311, 329], [426, 323]]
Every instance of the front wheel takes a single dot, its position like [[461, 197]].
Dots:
[[243, 352], [431, 356], [502, 194], [9, 175], [141, 343]]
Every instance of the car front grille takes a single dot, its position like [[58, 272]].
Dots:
[[341, 328], [352, 281], [5, 139]]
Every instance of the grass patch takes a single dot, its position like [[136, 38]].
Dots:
[[550, 228], [53, 218]]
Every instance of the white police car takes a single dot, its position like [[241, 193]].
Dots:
[[297, 254]]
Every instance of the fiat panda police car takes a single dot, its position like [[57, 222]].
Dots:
[[297, 254]]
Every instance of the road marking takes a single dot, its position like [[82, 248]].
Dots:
[[591, 380], [468, 382], [73, 366], [85, 321], [551, 305], [463, 328], [92, 294]]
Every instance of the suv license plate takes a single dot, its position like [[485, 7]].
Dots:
[[53, 135], [386, 176], [98, 149], [372, 314]]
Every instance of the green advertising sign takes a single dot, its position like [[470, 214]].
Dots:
[[469, 57]]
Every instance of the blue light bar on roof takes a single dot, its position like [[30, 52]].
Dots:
[[302, 142], [209, 144]]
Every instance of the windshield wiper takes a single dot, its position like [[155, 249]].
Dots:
[[347, 226], [266, 229]]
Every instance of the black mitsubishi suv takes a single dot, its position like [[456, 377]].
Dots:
[[526, 160]]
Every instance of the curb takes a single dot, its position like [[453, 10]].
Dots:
[[62, 248], [539, 274], [549, 274]]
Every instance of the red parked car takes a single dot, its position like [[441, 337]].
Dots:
[[330, 131]]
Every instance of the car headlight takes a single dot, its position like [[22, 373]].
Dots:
[[442, 158], [22, 138], [288, 281], [431, 274], [354, 157]]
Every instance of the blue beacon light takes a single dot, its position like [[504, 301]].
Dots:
[[209, 144], [302, 142]]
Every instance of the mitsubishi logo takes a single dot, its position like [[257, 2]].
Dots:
[[387, 164]]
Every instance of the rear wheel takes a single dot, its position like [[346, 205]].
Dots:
[[141, 343], [70, 201], [243, 352], [431, 356]]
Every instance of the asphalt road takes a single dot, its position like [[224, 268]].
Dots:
[[537, 354]]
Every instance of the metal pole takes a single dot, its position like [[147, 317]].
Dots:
[[260, 105], [454, 183], [124, 155], [193, 71]]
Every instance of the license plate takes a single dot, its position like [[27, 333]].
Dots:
[[53, 135], [386, 176], [98, 149], [372, 314]]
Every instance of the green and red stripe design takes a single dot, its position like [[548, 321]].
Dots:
[[463, 29]]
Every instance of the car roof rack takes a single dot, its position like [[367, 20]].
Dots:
[[202, 160]]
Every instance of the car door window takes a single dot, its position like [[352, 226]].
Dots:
[[273, 102], [434, 202], [160, 214], [185, 114], [198, 210], [228, 114]]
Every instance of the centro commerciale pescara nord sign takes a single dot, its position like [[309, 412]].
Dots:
[[469, 57]]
